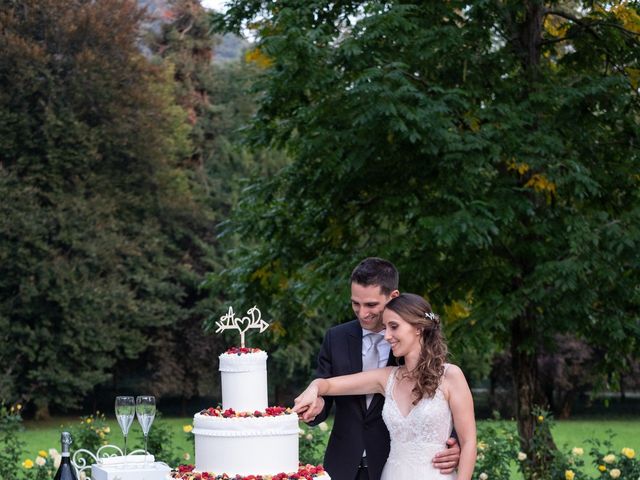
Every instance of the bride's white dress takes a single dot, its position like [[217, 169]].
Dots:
[[416, 438]]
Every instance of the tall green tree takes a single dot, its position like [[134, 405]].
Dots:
[[92, 194], [489, 148], [183, 44], [218, 102]]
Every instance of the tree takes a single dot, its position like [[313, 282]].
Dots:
[[217, 101], [489, 148], [89, 134]]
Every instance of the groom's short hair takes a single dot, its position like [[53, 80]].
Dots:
[[376, 271]]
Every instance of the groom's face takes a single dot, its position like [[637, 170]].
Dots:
[[368, 303]]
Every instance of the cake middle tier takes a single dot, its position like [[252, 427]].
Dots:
[[244, 381], [246, 445]]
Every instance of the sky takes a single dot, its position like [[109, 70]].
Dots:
[[215, 4]]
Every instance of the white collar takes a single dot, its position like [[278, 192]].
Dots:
[[366, 332]]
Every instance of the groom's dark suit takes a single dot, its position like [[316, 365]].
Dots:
[[355, 428]]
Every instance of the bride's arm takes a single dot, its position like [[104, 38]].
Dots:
[[372, 381], [461, 404]]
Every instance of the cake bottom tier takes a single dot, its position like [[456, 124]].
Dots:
[[246, 445]]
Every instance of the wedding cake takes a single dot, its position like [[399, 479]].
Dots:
[[245, 438]]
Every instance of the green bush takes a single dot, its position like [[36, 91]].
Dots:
[[610, 465], [44, 467], [313, 443], [10, 444], [555, 464], [497, 449], [548, 462], [90, 433], [11, 450]]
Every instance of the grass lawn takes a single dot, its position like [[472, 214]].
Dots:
[[44, 435], [623, 432]]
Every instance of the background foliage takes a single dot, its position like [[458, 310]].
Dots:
[[117, 161], [90, 135], [488, 148]]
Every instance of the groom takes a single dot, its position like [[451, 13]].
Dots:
[[359, 443]]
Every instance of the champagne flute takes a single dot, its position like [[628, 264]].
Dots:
[[146, 412], [125, 411]]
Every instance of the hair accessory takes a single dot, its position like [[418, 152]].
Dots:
[[433, 317]]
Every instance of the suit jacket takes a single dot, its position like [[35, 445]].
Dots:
[[355, 427]]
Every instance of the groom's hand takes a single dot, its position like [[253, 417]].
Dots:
[[447, 460], [308, 413]]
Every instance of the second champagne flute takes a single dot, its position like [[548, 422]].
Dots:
[[125, 411], [146, 412]]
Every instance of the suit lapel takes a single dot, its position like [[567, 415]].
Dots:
[[354, 342]]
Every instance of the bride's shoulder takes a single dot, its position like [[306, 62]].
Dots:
[[452, 373], [451, 369]]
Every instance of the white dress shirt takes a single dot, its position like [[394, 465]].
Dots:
[[384, 349]]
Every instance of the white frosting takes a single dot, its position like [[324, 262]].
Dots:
[[244, 381], [246, 446]]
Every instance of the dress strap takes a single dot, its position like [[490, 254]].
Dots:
[[390, 382], [444, 373]]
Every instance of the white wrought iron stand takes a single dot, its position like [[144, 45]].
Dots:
[[81, 460]]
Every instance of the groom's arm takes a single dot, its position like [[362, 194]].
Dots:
[[447, 461], [320, 411]]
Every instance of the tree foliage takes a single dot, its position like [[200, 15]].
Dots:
[[489, 148], [94, 204], [217, 101]]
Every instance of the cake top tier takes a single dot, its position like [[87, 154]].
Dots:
[[255, 361]]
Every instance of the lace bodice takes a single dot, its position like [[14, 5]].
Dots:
[[416, 437]]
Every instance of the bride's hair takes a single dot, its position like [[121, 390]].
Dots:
[[433, 354]]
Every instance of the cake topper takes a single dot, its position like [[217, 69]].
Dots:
[[231, 322]]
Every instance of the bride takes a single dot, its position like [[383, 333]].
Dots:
[[425, 397]]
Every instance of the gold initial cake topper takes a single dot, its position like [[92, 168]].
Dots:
[[231, 322]]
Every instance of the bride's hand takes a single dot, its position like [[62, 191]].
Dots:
[[306, 399], [313, 410]]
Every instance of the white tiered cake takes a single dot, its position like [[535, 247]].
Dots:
[[246, 437], [245, 445]]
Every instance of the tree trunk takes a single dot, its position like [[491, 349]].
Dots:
[[567, 404], [530, 35], [525, 377], [529, 395], [42, 409], [524, 355]]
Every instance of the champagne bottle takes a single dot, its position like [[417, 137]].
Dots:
[[66, 471]]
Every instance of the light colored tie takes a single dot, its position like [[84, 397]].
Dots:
[[371, 356]]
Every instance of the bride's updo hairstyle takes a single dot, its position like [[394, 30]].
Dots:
[[416, 310]]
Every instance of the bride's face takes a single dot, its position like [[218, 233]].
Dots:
[[403, 337]]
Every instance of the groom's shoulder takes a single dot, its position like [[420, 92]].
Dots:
[[348, 328]]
